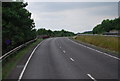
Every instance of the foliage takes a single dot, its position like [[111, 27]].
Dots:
[[54, 33], [107, 25], [88, 32], [17, 25]]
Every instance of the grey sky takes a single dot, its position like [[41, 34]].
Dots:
[[71, 16], [71, 0]]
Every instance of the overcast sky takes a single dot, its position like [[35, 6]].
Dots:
[[71, 16]]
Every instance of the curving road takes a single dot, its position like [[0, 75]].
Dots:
[[62, 58]]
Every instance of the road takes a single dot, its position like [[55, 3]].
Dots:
[[62, 58]]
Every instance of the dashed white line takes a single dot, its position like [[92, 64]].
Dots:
[[64, 51], [96, 50], [21, 74], [72, 59], [91, 77]]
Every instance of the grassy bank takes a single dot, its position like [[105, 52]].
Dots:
[[11, 62], [107, 42]]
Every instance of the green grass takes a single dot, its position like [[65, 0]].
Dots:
[[11, 62], [106, 42]]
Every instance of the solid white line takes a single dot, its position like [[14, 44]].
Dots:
[[91, 77], [64, 51], [95, 50], [72, 59], [20, 77]]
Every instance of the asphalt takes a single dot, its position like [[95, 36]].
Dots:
[[61, 58]]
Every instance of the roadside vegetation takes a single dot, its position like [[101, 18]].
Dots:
[[106, 42], [107, 25], [17, 25], [105, 28], [9, 63], [51, 33]]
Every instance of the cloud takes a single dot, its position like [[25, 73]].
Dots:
[[76, 17]]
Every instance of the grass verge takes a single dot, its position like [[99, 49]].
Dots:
[[9, 63], [106, 42]]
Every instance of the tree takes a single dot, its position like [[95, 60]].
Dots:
[[17, 25], [107, 25], [54, 33]]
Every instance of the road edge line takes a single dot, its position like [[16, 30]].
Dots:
[[72, 59], [95, 50], [64, 51], [23, 70], [91, 77]]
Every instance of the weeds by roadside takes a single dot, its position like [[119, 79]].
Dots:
[[9, 63], [106, 42]]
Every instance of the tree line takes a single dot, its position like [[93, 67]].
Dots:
[[107, 25], [51, 33]]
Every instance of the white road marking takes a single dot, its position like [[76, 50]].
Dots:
[[72, 59], [60, 46], [64, 51], [91, 77], [96, 50], [21, 74]]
